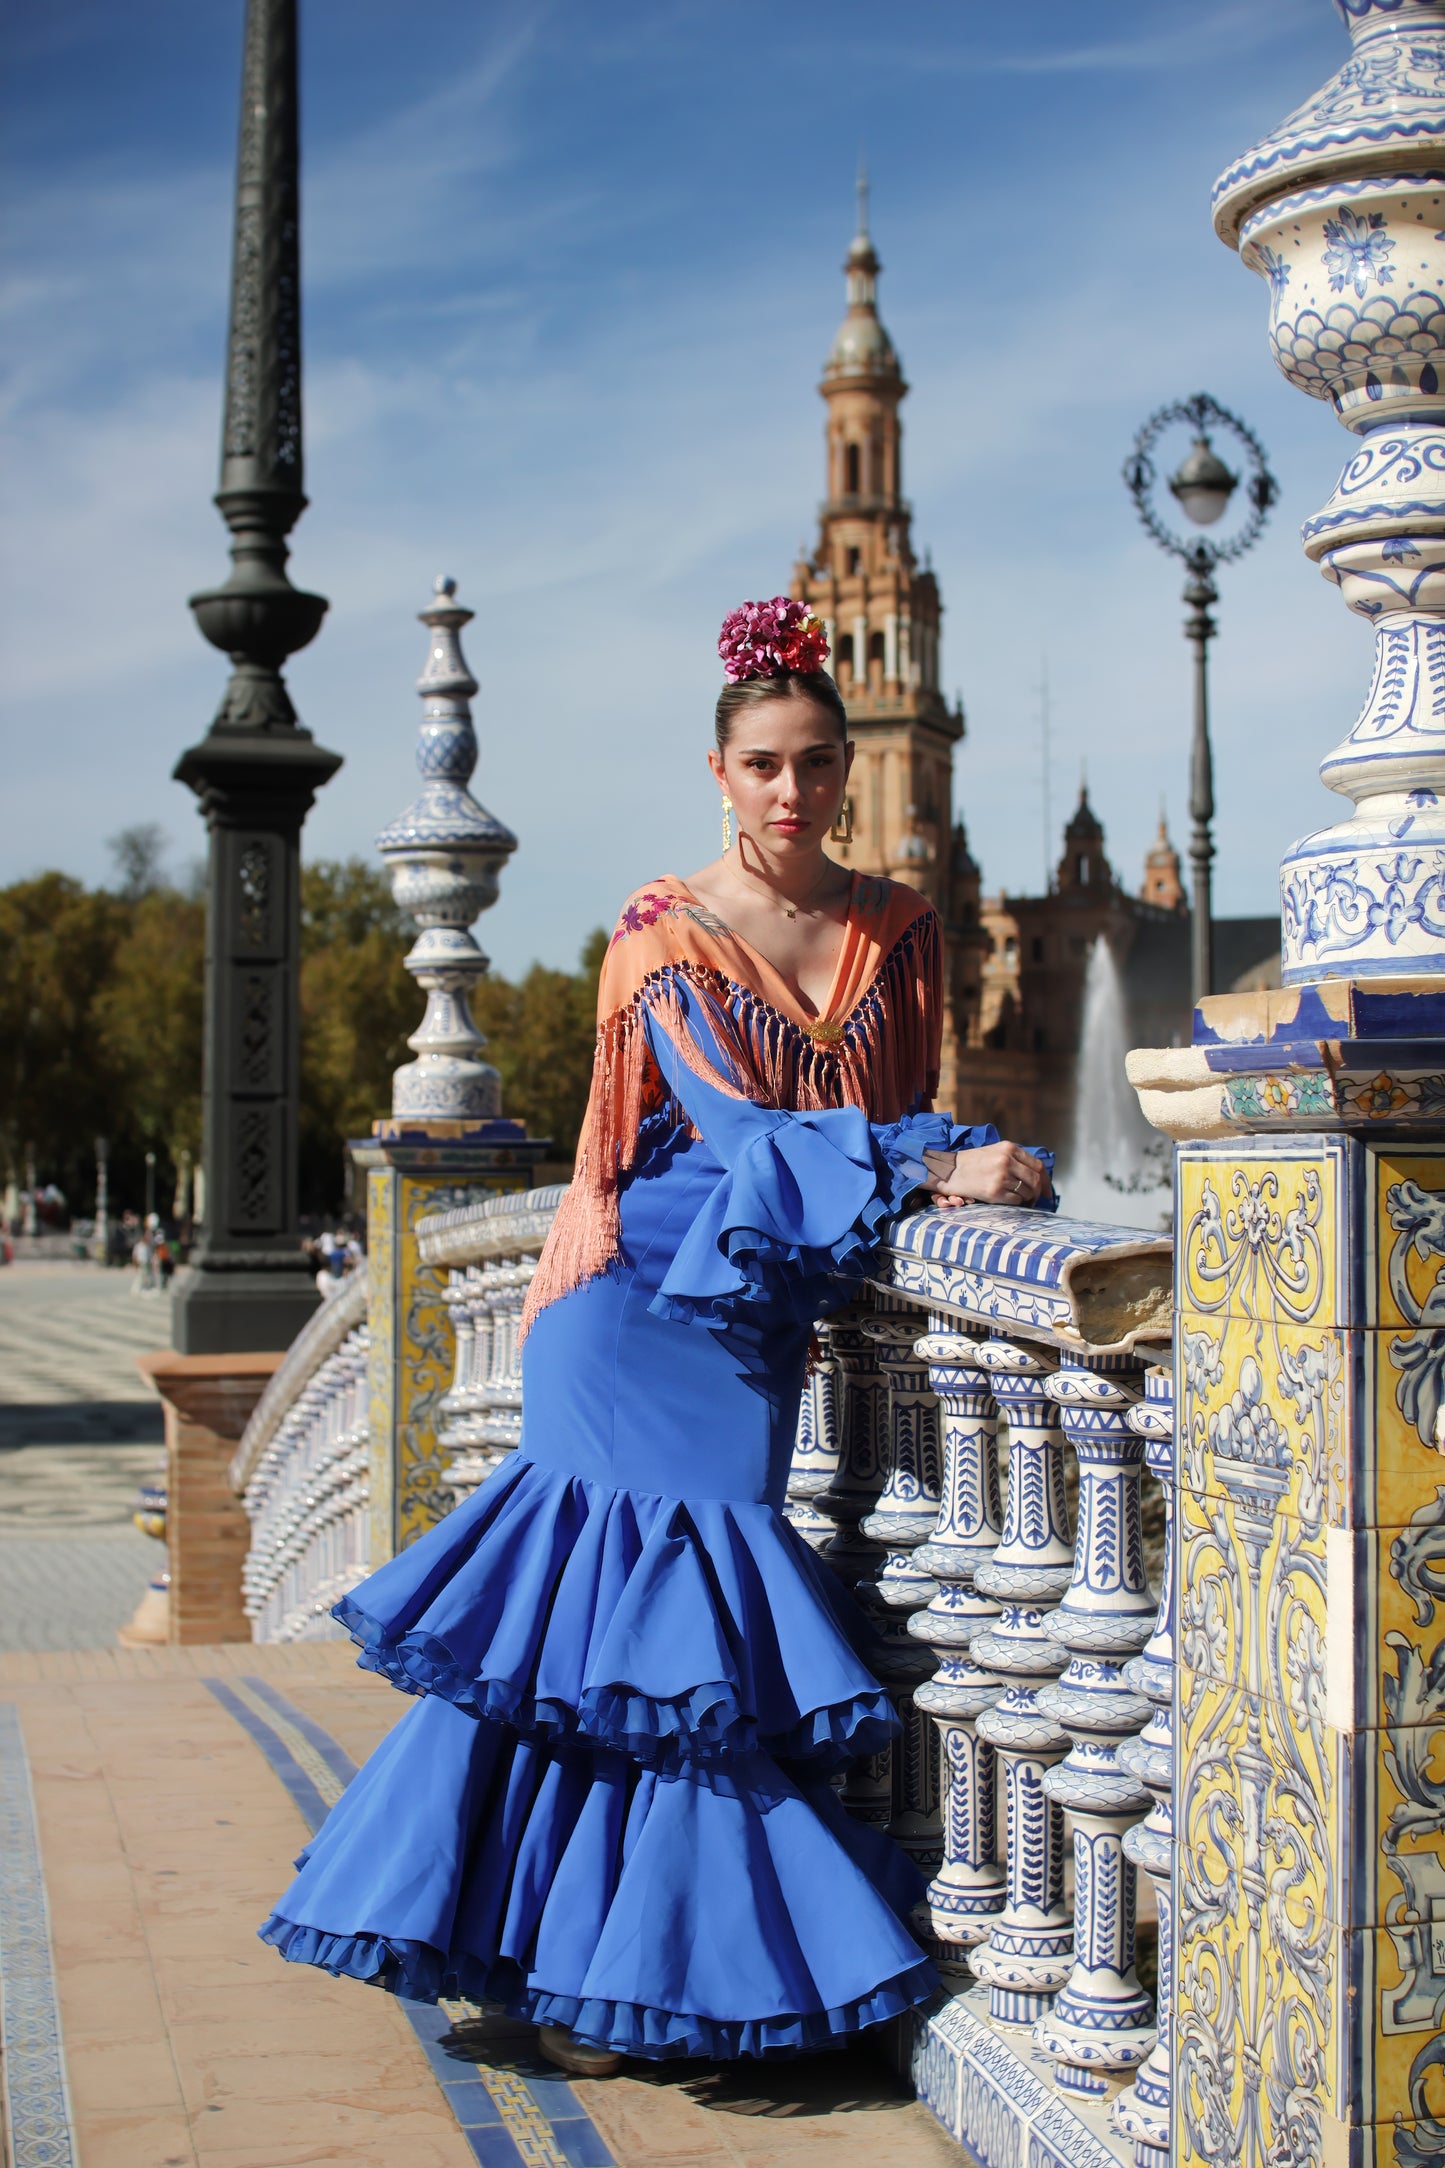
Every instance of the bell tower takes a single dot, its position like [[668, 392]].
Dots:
[[880, 609]]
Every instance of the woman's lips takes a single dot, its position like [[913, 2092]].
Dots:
[[791, 828]]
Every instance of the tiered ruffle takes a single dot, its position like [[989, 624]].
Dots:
[[653, 1627], [795, 1222], [688, 1911]]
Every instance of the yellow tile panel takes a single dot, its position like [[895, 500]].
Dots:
[[1257, 1978], [1264, 1234]]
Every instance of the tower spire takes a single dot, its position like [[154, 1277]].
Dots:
[[862, 199]]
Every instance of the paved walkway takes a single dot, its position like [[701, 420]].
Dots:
[[171, 1789], [79, 1431], [151, 1802]]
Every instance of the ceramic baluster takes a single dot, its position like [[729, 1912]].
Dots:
[[1142, 2112], [905, 1516], [815, 1454], [1102, 2022], [847, 1503], [862, 1461], [1028, 1954], [967, 1893]]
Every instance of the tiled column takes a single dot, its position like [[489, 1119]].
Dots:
[[1309, 1988], [1102, 2021], [904, 1518], [1142, 2111], [1029, 1951], [967, 1894]]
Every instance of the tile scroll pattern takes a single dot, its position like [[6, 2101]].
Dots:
[[1311, 1714], [510, 2119], [38, 2128]]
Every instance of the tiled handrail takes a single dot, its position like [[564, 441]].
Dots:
[[306, 1497], [320, 1336], [491, 1249]]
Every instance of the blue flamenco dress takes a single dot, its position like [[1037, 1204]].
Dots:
[[610, 1808]]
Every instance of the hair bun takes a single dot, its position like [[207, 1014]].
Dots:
[[762, 639]]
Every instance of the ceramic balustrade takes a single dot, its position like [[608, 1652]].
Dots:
[[1047, 1326], [1102, 2020], [479, 1418], [307, 1501], [1141, 2113]]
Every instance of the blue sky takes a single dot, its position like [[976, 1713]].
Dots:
[[571, 268]]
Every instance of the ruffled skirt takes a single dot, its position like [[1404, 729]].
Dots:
[[611, 1808]]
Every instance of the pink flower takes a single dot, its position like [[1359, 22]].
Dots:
[[760, 639]]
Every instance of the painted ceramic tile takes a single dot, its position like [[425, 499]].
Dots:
[[381, 1265], [1405, 1246], [1263, 1228], [413, 1350], [1404, 1390], [1257, 1975], [1266, 1410]]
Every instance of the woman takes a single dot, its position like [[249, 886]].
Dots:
[[611, 1810]]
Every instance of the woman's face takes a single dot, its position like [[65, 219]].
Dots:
[[786, 771]]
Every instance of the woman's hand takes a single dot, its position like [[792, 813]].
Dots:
[[989, 1174]]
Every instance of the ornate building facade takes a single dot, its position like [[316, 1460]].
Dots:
[[1015, 964]]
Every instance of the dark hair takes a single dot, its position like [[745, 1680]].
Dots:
[[815, 685]]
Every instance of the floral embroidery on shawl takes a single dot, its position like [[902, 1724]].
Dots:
[[877, 1047], [647, 907]]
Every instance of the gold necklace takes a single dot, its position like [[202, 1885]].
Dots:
[[789, 910]]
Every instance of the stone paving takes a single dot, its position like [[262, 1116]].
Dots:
[[165, 1834], [166, 1791], [79, 1431]]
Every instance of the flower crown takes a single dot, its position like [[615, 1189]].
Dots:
[[761, 639]]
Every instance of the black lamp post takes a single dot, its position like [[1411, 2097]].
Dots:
[[256, 770], [1202, 486]]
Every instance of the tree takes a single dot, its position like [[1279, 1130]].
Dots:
[[149, 1021], [57, 947], [358, 1004], [139, 855], [102, 998]]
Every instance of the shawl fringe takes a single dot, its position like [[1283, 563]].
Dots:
[[885, 1062]]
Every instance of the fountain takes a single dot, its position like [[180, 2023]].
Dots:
[[1114, 1169]]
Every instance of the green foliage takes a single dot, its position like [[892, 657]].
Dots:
[[357, 1007], [101, 1022]]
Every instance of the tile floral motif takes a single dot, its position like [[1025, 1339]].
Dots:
[[1358, 247]]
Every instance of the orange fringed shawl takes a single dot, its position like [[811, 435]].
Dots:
[[875, 1045]]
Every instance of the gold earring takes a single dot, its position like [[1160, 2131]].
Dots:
[[842, 828], [727, 824]]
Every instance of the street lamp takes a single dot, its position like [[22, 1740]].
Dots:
[[1202, 487], [150, 1186]]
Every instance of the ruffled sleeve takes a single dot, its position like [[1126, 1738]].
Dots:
[[797, 1211]]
